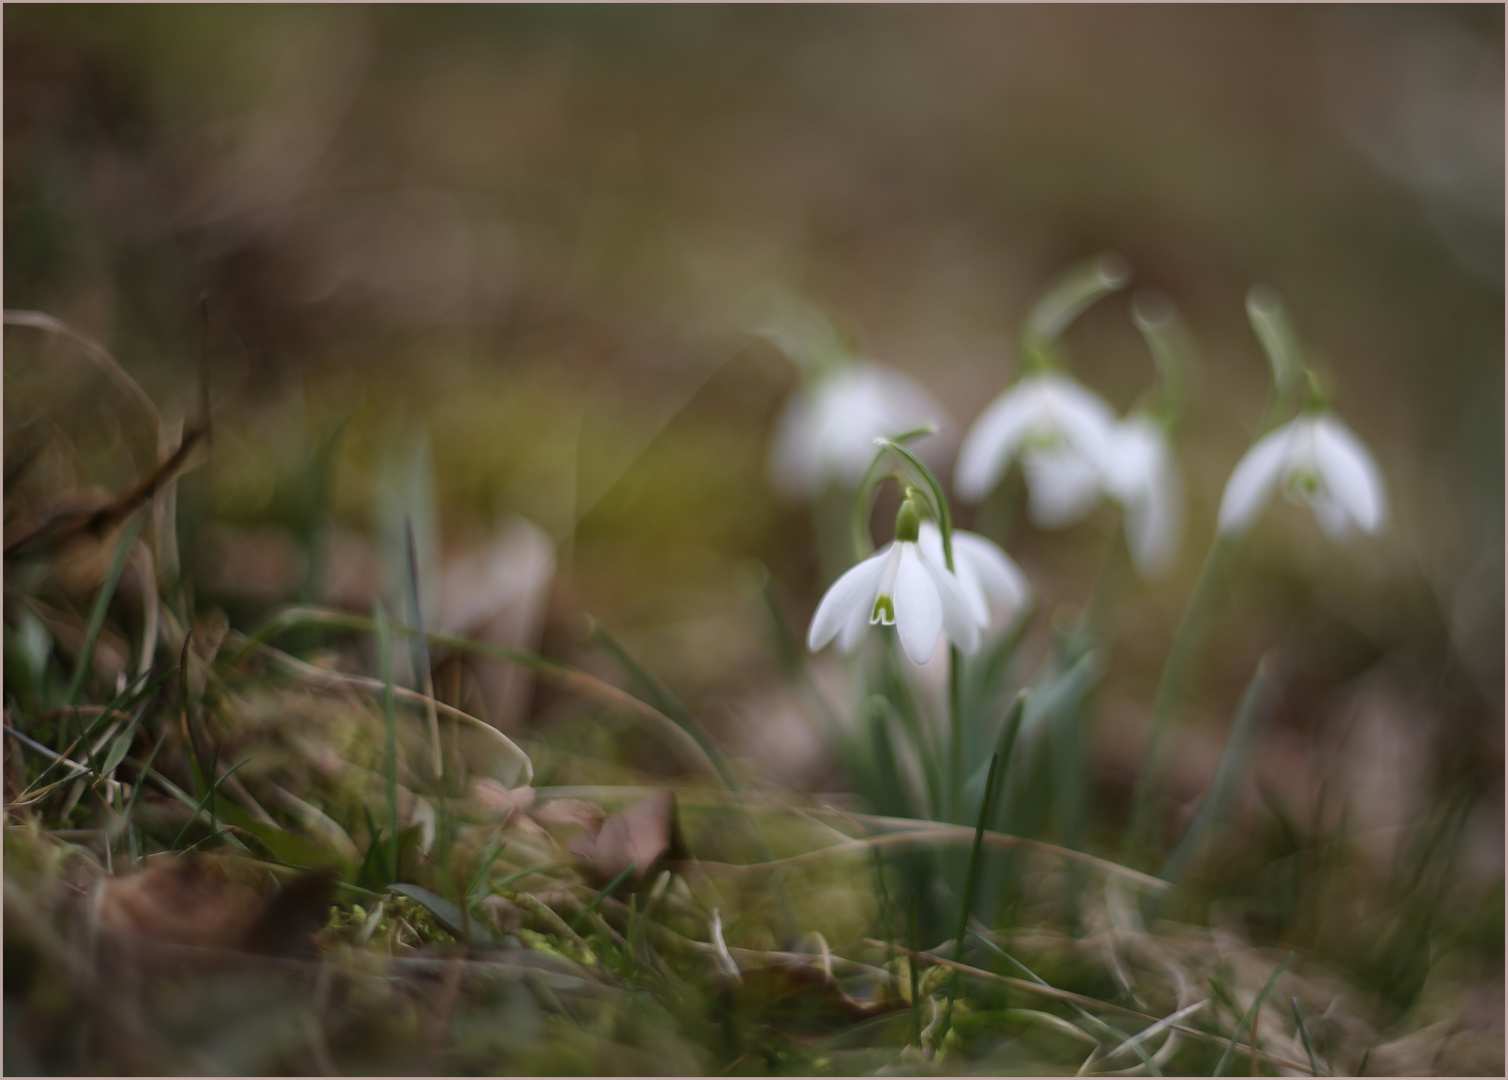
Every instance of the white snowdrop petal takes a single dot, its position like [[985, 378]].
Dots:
[[970, 586], [1154, 524], [1085, 421], [929, 541], [1140, 452], [827, 430], [958, 617], [1063, 486], [918, 607], [1334, 519], [1252, 481], [855, 590], [991, 443], [997, 573], [795, 466], [1350, 473], [853, 628]]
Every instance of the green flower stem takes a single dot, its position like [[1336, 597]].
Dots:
[[1093, 623], [940, 507], [939, 501], [1183, 657], [864, 492], [968, 889], [955, 714]]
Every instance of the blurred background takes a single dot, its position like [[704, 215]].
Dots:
[[489, 264]]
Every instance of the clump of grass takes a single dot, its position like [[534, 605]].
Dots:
[[382, 881]]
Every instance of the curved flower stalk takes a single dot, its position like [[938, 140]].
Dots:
[[986, 574], [1143, 477], [827, 429], [901, 585], [1064, 435], [1318, 462]]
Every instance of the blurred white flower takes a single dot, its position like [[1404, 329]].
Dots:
[[1317, 462], [827, 429], [900, 585], [1062, 486], [984, 572], [1063, 434], [1143, 477]]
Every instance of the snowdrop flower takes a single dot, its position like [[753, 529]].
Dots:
[[1317, 461], [1143, 478], [827, 429], [900, 585], [984, 572], [1063, 435], [1061, 486]]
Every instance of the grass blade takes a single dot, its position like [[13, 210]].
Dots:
[[607, 890], [1256, 705], [968, 888], [423, 674], [101, 606], [390, 719], [664, 701], [1298, 1018], [911, 969], [209, 796], [1251, 1013]]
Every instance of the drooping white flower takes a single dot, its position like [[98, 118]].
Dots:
[[1143, 477], [985, 573], [900, 585], [827, 429], [1062, 486], [1318, 462], [1063, 435]]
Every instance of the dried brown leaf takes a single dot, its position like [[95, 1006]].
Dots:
[[641, 836]]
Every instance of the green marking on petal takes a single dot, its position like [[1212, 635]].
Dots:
[[884, 611], [1304, 484]]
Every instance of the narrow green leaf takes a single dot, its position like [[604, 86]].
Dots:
[[1250, 1013], [446, 914], [501, 884], [1256, 706], [390, 720], [607, 891], [665, 701], [968, 888], [141, 777], [912, 940], [479, 883], [118, 750], [101, 606], [208, 798], [1298, 1018]]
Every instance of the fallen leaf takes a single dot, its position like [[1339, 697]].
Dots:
[[291, 916], [640, 836], [493, 794], [189, 901], [177, 901]]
